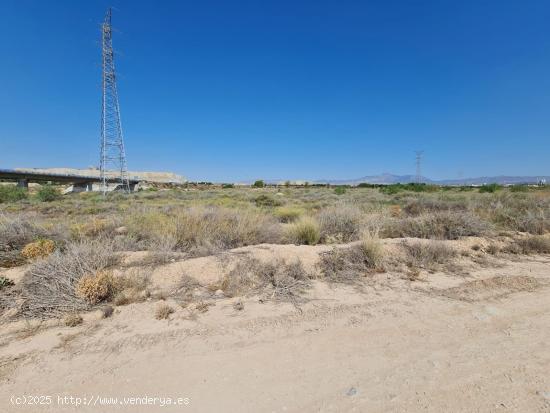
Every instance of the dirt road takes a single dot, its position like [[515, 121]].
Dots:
[[443, 345]]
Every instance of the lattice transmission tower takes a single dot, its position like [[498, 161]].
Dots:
[[419, 166], [113, 167]]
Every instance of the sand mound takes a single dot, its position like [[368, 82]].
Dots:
[[491, 288]]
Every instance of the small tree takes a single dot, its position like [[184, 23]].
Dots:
[[259, 184]]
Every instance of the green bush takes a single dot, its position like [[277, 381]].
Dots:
[[519, 188], [267, 201], [259, 184], [228, 186], [340, 190], [48, 193], [414, 187], [12, 193], [490, 188]]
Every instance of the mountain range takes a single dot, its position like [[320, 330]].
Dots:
[[387, 179]]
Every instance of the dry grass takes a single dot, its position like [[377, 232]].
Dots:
[[341, 223], [427, 254], [185, 289], [92, 229], [440, 225], [537, 244], [305, 231], [491, 288], [278, 280], [132, 287], [29, 329], [163, 311], [203, 231], [288, 214], [73, 320], [350, 265]]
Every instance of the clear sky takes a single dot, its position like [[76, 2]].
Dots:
[[277, 89]]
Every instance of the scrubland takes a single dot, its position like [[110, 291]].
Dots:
[[81, 261]]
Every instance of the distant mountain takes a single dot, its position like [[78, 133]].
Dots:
[[388, 179], [502, 180], [383, 179]]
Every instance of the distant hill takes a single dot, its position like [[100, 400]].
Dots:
[[383, 179], [387, 179]]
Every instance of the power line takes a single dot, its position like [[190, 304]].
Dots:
[[112, 156]]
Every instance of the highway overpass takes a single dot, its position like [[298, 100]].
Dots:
[[80, 182]]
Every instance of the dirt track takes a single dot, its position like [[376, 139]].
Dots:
[[394, 346]]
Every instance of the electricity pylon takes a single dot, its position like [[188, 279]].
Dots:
[[112, 158], [419, 166]]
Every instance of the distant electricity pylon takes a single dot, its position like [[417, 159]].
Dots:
[[419, 166], [112, 158]]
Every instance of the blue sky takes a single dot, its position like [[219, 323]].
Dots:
[[238, 90]]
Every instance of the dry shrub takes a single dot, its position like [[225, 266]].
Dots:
[[423, 205], [49, 286], [202, 230], [94, 288], [492, 249], [537, 244], [73, 320], [341, 223], [93, 228], [163, 311], [278, 280], [288, 214], [427, 254], [202, 307], [349, 265], [38, 249], [16, 232], [304, 232], [131, 288], [517, 212], [439, 225], [185, 288]]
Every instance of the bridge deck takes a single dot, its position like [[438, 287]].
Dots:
[[14, 175]]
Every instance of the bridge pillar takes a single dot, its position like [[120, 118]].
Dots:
[[23, 183]]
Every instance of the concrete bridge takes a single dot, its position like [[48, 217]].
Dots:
[[80, 182]]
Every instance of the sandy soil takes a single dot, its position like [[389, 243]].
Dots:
[[474, 342]]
